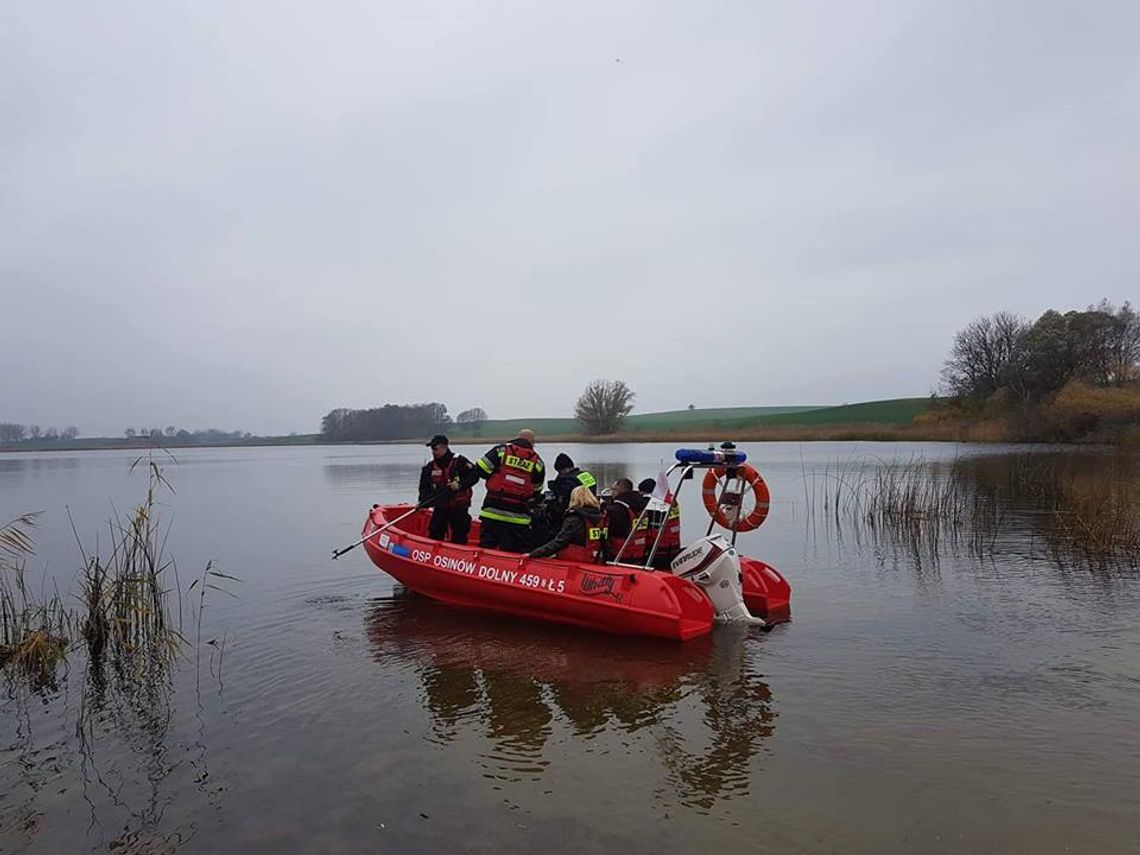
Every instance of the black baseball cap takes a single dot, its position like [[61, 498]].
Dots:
[[438, 439]]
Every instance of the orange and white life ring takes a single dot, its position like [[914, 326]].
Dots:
[[724, 505]]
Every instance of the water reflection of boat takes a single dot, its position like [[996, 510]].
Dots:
[[411, 625], [515, 684]]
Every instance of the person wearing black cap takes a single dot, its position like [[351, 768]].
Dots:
[[569, 477], [449, 476]]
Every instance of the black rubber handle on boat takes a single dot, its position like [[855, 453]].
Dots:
[[430, 500]]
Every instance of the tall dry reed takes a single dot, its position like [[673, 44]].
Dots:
[[125, 596], [34, 630]]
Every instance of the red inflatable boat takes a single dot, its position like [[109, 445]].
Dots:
[[616, 598], [610, 597]]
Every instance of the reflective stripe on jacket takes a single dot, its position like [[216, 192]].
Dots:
[[671, 537], [501, 515], [588, 481]]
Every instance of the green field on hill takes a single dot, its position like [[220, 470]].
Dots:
[[721, 422], [713, 417], [669, 420], [897, 411]]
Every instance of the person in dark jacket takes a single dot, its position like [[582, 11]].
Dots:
[[569, 477], [452, 475], [622, 513], [623, 507], [582, 535], [514, 474]]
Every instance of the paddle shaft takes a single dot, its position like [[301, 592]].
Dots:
[[337, 553]]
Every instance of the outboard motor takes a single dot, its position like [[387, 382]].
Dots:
[[712, 562]]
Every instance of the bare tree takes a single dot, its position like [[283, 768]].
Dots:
[[35, 432], [1128, 346], [129, 433], [1121, 342], [603, 406], [70, 432], [11, 432], [170, 430], [985, 356]]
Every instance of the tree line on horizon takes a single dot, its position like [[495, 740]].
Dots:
[[13, 432], [181, 436], [397, 421], [600, 409]]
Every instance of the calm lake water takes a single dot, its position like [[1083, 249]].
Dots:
[[973, 693]]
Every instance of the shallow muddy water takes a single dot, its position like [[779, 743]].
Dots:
[[959, 687]]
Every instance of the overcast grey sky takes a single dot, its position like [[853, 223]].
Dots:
[[244, 214]]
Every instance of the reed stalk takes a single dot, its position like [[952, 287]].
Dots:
[[125, 598], [1087, 509]]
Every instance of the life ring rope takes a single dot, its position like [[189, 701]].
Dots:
[[725, 504]]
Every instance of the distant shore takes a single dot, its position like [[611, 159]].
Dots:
[[981, 432]]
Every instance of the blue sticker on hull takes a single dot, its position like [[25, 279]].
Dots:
[[402, 551]]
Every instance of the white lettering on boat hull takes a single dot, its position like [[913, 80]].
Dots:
[[466, 567]]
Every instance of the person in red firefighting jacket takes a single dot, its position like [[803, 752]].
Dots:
[[514, 474], [452, 475]]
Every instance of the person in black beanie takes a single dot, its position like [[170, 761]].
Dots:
[[569, 477]]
